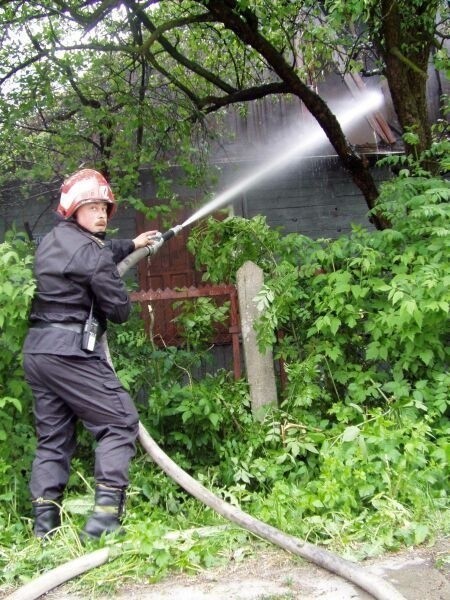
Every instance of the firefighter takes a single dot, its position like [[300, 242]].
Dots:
[[78, 290]]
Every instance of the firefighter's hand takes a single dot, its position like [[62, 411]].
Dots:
[[148, 238]]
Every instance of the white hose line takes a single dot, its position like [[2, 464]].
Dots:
[[59, 575], [377, 587], [46, 582]]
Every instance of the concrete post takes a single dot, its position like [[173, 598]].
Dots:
[[259, 367]]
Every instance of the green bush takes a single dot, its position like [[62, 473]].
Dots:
[[16, 427], [361, 324]]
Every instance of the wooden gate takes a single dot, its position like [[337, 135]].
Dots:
[[172, 267], [170, 275], [160, 302]]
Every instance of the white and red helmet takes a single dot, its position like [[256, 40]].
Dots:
[[83, 187]]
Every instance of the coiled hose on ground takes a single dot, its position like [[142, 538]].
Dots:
[[374, 585]]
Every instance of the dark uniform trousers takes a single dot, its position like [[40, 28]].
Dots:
[[68, 388]]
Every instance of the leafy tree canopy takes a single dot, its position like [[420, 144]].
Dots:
[[121, 84]]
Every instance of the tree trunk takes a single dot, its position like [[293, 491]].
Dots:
[[407, 76]]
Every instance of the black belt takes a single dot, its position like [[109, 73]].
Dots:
[[76, 327]]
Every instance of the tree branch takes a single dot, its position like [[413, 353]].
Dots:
[[21, 66], [88, 21], [173, 52], [212, 103], [172, 24]]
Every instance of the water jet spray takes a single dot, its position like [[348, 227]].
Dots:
[[369, 101]]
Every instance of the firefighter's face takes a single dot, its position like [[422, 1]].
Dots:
[[93, 216]]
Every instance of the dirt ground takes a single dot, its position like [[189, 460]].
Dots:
[[419, 574]]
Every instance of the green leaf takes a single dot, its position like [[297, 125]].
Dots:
[[310, 448], [373, 350], [397, 296], [214, 418], [10, 400], [426, 355], [409, 306], [421, 532], [334, 325], [350, 433]]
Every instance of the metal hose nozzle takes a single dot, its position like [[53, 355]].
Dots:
[[172, 232]]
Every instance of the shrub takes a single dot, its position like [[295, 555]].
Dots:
[[361, 323], [16, 428]]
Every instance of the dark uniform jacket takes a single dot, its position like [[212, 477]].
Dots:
[[73, 267]]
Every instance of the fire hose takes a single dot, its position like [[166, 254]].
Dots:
[[377, 587]]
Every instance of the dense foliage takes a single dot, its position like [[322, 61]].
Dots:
[[356, 454], [16, 429], [362, 326]]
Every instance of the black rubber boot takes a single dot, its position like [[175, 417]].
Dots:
[[107, 514], [47, 517]]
